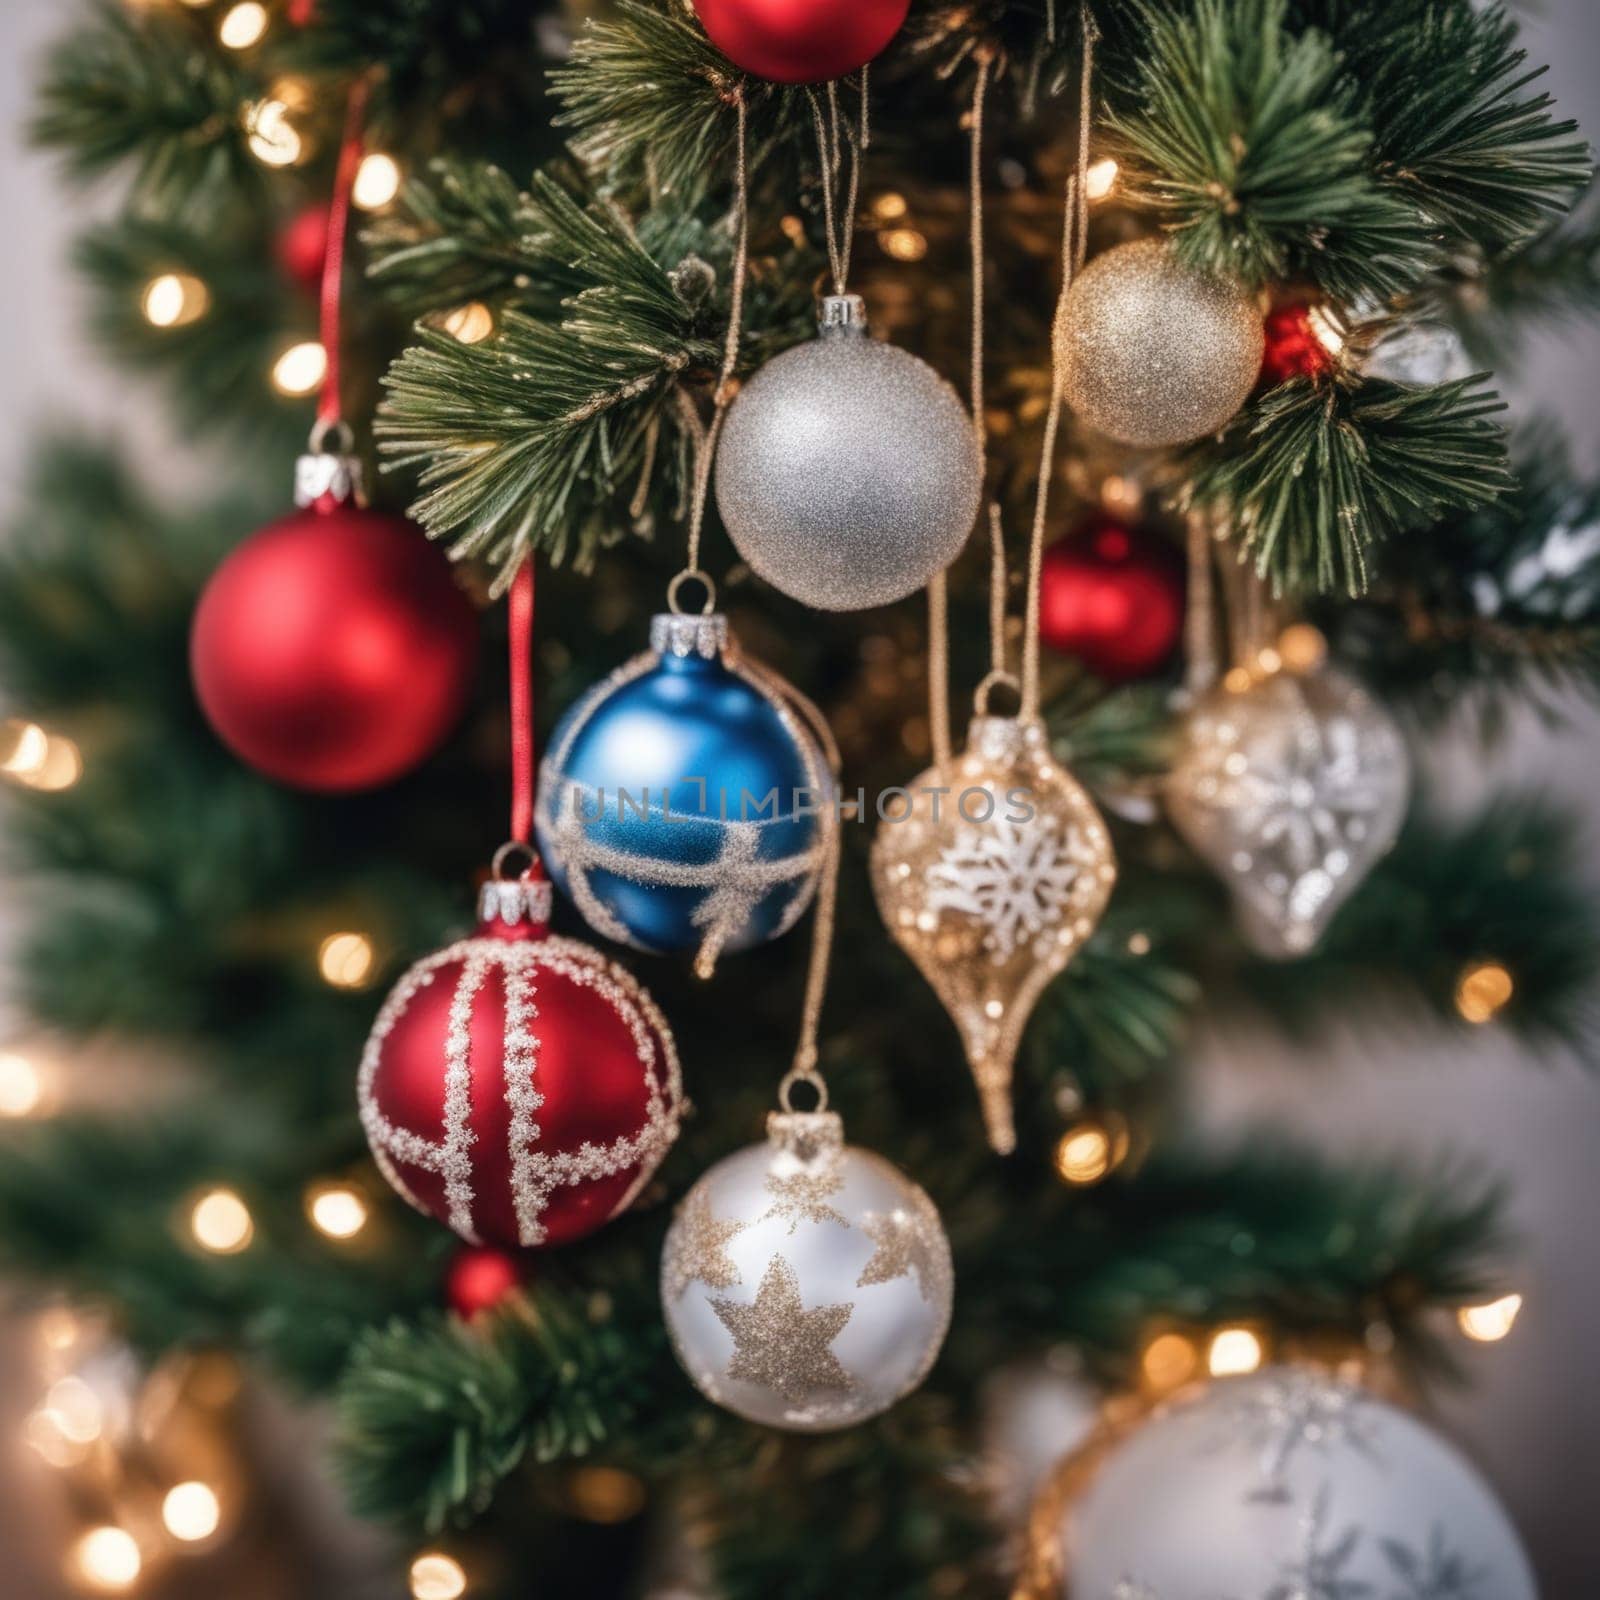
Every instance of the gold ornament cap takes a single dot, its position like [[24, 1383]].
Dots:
[[807, 1136]]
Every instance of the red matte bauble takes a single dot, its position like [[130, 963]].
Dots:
[[801, 41], [333, 650], [479, 1277], [1294, 348], [303, 247], [519, 1088], [1113, 597]]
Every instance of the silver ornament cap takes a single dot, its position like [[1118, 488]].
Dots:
[[848, 473]]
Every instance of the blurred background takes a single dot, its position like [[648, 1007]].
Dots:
[[1528, 1408]]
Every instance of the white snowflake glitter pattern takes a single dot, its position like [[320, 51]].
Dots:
[[535, 1174], [1297, 1412], [1435, 1572], [1320, 1569], [1016, 878]]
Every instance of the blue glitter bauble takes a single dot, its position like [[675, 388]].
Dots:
[[683, 803]]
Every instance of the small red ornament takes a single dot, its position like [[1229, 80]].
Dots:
[[801, 41], [1294, 347], [333, 650], [479, 1278], [302, 247], [517, 1087], [1113, 597]]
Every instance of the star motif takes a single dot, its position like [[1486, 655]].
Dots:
[[905, 1247], [803, 1196], [700, 1248], [782, 1346]]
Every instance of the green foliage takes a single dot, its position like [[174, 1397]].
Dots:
[[1250, 139], [1315, 477]]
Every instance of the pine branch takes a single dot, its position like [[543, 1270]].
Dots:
[[143, 86], [1315, 477], [651, 103], [1491, 609], [1456, 135], [1250, 141]]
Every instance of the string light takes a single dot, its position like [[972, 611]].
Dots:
[[21, 1087], [300, 368], [1091, 1150], [903, 244], [337, 1210], [1301, 647], [174, 300], [345, 960], [1169, 1361], [1483, 991], [471, 323], [74, 1410], [606, 1494], [108, 1559], [437, 1577], [243, 25], [1233, 1352], [1100, 179], [1490, 1323], [889, 207], [62, 766], [377, 182], [26, 745], [191, 1512], [272, 138], [221, 1223]]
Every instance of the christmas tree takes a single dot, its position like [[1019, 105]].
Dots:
[[1222, 519]]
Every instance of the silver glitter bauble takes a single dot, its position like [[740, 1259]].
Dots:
[[1154, 353], [1292, 788], [1287, 1485], [806, 1283], [848, 474]]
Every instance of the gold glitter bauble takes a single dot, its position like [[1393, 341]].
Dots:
[[991, 876], [1292, 788], [1152, 352]]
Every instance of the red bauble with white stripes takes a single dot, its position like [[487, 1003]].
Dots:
[[518, 1087]]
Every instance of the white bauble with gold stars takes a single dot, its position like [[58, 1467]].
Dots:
[[806, 1283], [1292, 786], [1286, 1485]]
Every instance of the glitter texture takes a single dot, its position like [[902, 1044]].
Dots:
[[1292, 789], [991, 906], [818, 1311], [848, 473], [1153, 353], [1364, 1502]]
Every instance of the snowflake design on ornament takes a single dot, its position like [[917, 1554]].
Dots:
[[1436, 1573], [1299, 1411], [1014, 877], [1320, 1571]]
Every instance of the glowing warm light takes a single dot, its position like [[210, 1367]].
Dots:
[[1233, 1352], [1122, 495], [74, 1410], [1302, 647], [300, 368], [1237, 679], [377, 181], [345, 960], [1483, 991], [1269, 661], [174, 300], [61, 768], [903, 244], [337, 1211], [244, 25], [28, 747], [1084, 1154], [42, 1432], [471, 323], [606, 1494], [437, 1577], [889, 207], [221, 1223], [1138, 944], [1492, 1322], [21, 1087], [191, 1512], [272, 137], [1100, 179], [1169, 1361], [108, 1559]]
